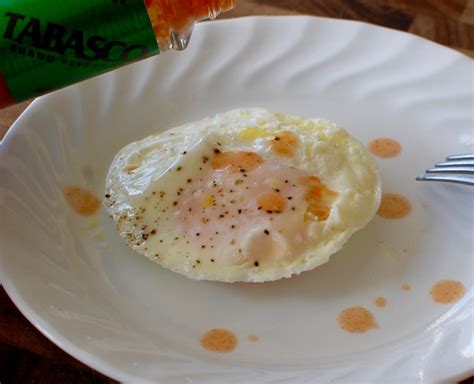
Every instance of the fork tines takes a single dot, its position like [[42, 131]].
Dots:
[[456, 169]]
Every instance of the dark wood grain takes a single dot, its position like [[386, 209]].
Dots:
[[9, 115], [20, 366], [26, 356], [375, 12], [450, 23]]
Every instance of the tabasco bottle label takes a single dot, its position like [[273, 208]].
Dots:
[[48, 44]]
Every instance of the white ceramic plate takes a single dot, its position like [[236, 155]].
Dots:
[[84, 289]]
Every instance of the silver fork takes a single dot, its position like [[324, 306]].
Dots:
[[456, 169]]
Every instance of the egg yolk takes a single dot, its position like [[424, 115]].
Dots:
[[244, 210]]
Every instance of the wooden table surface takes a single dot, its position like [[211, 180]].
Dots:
[[26, 356]]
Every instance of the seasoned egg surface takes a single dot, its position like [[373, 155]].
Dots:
[[248, 195]]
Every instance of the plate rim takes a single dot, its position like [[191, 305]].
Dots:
[[42, 325]]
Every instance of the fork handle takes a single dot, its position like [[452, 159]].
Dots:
[[447, 178]]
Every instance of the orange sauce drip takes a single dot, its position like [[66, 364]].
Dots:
[[271, 201], [385, 147], [380, 302], [236, 161], [394, 206], [130, 168], [356, 320], [447, 291], [405, 287], [219, 340], [318, 197], [168, 16], [252, 338], [284, 143], [81, 201]]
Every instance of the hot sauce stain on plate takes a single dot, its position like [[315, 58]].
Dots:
[[405, 287], [394, 206], [447, 291], [385, 147], [252, 338], [356, 320], [380, 302], [219, 340], [81, 201]]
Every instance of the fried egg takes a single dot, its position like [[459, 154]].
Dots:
[[247, 195]]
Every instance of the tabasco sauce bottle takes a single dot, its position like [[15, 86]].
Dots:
[[49, 44]]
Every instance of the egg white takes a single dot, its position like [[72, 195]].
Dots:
[[147, 179]]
